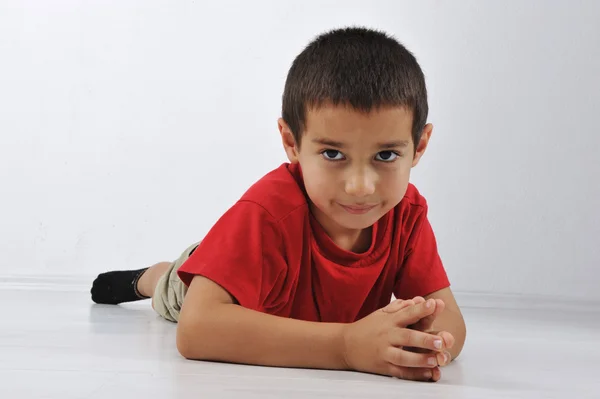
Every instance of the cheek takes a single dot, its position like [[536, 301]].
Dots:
[[320, 186], [319, 183], [393, 186]]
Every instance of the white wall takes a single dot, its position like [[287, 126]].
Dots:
[[127, 128]]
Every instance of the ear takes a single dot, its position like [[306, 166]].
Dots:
[[288, 141], [422, 146]]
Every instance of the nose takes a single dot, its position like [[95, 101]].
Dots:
[[360, 183]]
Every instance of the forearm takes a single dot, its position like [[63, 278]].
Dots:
[[231, 333]]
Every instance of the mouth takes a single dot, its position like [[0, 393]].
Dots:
[[357, 209]]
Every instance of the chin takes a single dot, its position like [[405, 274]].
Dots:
[[356, 223]]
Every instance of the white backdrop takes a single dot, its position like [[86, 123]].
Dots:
[[127, 128]]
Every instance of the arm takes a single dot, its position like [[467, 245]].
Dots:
[[450, 319], [213, 327]]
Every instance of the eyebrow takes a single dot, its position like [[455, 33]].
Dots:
[[339, 144]]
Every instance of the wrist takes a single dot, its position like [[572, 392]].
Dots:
[[344, 345]]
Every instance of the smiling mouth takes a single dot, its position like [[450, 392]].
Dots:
[[358, 209]]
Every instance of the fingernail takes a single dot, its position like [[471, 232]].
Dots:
[[446, 357], [428, 374], [428, 303], [431, 361], [437, 343]]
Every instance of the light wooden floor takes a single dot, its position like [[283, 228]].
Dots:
[[57, 344]]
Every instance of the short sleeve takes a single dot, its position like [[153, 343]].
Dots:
[[422, 271], [242, 253]]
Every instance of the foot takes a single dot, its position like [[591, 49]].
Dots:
[[117, 287]]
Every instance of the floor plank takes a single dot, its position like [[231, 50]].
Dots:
[[58, 344]]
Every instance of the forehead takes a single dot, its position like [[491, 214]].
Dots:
[[347, 125]]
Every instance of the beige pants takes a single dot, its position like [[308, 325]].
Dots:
[[170, 290]]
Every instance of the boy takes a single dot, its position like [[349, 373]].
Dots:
[[300, 271]]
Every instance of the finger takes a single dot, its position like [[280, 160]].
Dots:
[[437, 374], [419, 350], [418, 299], [412, 314], [400, 357], [414, 374], [408, 302], [426, 323], [397, 305], [401, 337], [443, 358], [447, 340], [447, 337], [439, 307]]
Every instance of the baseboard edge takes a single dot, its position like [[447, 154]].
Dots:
[[466, 299]]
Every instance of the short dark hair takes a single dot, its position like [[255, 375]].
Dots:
[[355, 66]]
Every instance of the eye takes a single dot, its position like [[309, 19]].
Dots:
[[332, 155], [387, 156]]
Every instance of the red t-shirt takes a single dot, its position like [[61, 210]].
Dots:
[[272, 256]]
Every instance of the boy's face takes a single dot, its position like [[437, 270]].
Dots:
[[356, 166]]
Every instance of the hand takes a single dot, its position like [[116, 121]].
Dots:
[[424, 324], [444, 358], [376, 343]]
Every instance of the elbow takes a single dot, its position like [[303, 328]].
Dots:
[[190, 341], [461, 336], [184, 346]]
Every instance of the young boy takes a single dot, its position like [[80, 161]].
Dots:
[[301, 270]]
